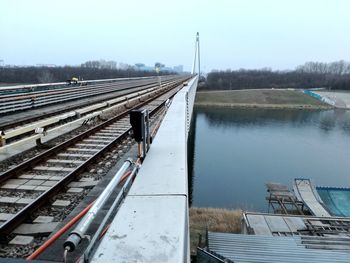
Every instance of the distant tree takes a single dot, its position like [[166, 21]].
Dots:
[[87, 70], [335, 75], [45, 77]]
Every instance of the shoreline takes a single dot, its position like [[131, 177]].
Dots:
[[263, 106], [268, 99]]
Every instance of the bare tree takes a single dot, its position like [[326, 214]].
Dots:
[[45, 77]]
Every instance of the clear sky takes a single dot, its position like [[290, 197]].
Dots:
[[279, 34]]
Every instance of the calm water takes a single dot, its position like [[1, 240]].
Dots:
[[237, 151]]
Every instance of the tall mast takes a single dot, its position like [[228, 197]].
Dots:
[[196, 54]]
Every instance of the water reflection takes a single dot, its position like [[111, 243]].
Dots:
[[236, 151]]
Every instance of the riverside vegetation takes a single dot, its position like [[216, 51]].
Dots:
[[270, 98], [213, 219]]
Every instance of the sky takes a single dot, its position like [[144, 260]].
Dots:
[[278, 34]]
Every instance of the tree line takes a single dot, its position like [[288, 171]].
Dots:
[[34, 75], [335, 75]]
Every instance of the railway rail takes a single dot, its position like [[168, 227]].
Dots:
[[19, 102], [15, 89], [20, 131], [45, 175]]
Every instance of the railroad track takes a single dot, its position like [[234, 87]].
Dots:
[[21, 131], [19, 102], [19, 89], [32, 184]]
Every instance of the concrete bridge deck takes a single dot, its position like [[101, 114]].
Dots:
[[152, 223]]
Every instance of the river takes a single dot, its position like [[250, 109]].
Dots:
[[234, 152]]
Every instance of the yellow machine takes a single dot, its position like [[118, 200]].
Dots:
[[73, 80]]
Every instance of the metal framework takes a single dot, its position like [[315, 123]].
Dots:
[[282, 201]]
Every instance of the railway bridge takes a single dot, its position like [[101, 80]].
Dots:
[[96, 194], [96, 171]]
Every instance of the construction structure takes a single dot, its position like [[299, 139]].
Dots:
[[305, 227], [283, 201]]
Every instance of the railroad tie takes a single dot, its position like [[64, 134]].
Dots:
[[20, 240], [53, 169], [105, 134], [16, 200], [32, 176], [43, 219], [88, 145], [108, 132], [17, 181], [111, 129], [74, 155], [82, 150], [84, 184], [6, 216], [61, 203], [75, 190], [97, 141], [53, 161], [36, 229]]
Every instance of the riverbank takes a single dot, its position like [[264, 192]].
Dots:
[[215, 219], [279, 99]]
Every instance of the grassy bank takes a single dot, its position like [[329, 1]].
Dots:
[[259, 98], [216, 219]]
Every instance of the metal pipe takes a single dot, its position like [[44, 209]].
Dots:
[[58, 234], [79, 232], [122, 194]]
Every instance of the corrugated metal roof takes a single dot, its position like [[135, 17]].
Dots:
[[290, 225], [267, 249]]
